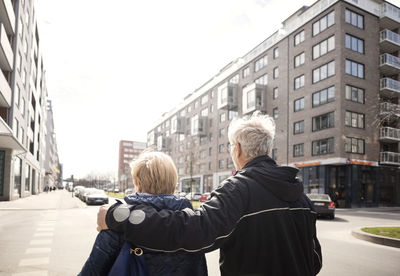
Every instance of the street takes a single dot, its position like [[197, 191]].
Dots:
[[52, 234]]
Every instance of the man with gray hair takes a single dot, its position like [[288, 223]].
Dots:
[[259, 218]]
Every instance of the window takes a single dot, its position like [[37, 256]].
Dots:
[[324, 71], [221, 164], [263, 80], [222, 117], [232, 114], [274, 154], [298, 150], [275, 93], [299, 60], [353, 119], [204, 112], [324, 96], [204, 99], [16, 95], [18, 62], [234, 80], [23, 76], [298, 82], [355, 69], [221, 132], [275, 113], [276, 73], [323, 47], [355, 94], [221, 148], [354, 145], [323, 146], [298, 127], [354, 19], [298, 104], [260, 63], [324, 23], [299, 38], [323, 121], [276, 52], [355, 44], [246, 72]]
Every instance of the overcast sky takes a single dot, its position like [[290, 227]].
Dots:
[[113, 67]]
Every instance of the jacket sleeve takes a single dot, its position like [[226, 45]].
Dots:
[[203, 229], [317, 255]]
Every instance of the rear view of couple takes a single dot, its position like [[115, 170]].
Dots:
[[259, 218]]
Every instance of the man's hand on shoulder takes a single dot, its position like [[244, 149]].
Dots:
[[101, 217]]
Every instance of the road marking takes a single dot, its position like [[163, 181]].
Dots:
[[32, 273], [38, 250], [34, 261], [37, 242], [44, 234], [45, 229]]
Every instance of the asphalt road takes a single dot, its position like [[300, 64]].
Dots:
[[52, 234]]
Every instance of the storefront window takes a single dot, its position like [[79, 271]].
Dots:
[[208, 183], [17, 174]]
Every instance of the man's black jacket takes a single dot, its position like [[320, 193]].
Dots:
[[259, 218]]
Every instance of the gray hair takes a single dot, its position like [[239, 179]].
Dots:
[[255, 134]]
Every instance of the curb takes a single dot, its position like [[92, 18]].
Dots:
[[387, 241]]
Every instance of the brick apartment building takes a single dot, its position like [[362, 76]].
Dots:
[[128, 151], [330, 79]]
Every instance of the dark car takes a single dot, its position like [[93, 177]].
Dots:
[[204, 197], [323, 205], [97, 197]]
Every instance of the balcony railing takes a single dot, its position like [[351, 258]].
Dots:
[[390, 158], [389, 64], [6, 53], [390, 16], [390, 134], [389, 86], [7, 16], [389, 41], [387, 108]]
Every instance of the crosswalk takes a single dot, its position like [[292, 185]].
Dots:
[[37, 256]]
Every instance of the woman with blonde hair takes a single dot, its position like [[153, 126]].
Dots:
[[155, 177]]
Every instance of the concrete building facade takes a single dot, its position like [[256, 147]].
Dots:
[[330, 79], [128, 151], [23, 98]]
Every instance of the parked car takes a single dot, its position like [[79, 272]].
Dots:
[[83, 195], [205, 197], [323, 205], [193, 196], [77, 190], [96, 197], [128, 191]]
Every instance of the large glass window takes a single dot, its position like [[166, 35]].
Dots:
[[355, 44], [324, 96], [354, 119], [299, 60], [323, 47], [354, 145], [354, 68], [263, 80], [299, 82], [17, 173], [260, 63], [323, 146], [299, 104], [298, 127], [27, 177], [354, 94], [298, 150], [299, 38], [324, 23], [354, 19], [324, 71], [323, 121]]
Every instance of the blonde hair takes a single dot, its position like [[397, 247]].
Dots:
[[255, 134], [154, 173]]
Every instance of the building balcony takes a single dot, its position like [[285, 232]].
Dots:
[[389, 135], [390, 16], [389, 108], [228, 96], [5, 92], [389, 65], [178, 124], [6, 53], [389, 158], [389, 87], [163, 143], [389, 41], [7, 16], [254, 98], [199, 126]]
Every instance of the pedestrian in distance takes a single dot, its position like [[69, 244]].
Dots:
[[259, 218], [155, 177]]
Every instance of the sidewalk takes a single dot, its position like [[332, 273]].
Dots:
[[59, 199]]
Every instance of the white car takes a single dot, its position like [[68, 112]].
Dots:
[[96, 197]]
